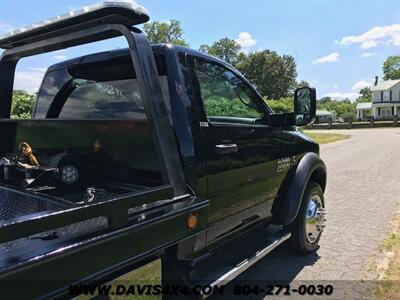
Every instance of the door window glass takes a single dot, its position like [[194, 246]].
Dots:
[[225, 96]]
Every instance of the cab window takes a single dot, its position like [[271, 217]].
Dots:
[[226, 97], [105, 90]]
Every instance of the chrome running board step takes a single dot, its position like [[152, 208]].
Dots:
[[230, 262]]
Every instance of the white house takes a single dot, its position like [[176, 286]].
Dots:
[[363, 110], [385, 99]]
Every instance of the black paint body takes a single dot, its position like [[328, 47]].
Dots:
[[231, 193]]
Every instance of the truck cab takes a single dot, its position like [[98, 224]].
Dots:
[[230, 152], [157, 145]]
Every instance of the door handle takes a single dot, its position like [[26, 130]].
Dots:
[[226, 148]]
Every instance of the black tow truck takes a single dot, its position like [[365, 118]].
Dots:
[[154, 151]]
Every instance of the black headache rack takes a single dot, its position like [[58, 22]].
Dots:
[[108, 12], [54, 245]]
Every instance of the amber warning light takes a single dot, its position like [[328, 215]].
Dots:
[[192, 221]]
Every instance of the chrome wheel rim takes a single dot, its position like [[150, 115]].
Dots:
[[314, 219], [69, 174]]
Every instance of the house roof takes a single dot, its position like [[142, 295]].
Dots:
[[364, 105], [384, 85], [321, 112]]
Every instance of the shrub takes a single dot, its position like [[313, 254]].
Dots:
[[281, 105], [22, 104]]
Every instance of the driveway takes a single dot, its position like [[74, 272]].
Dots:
[[362, 195]]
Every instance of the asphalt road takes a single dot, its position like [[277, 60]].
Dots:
[[362, 196]]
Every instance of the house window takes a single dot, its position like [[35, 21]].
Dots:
[[381, 96], [390, 97], [386, 96]]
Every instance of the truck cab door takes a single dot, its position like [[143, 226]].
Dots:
[[240, 165]]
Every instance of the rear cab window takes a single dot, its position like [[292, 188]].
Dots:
[[98, 90]]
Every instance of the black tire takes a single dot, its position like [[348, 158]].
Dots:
[[299, 242]]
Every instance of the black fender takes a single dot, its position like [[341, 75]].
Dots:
[[310, 167]]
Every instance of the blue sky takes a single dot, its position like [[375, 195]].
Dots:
[[339, 46]]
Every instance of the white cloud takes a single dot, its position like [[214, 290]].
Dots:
[[342, 96], [245, 40], [325, 59], [369, 44], [29, 80], [361, 84], [368, 54], [60, 57], [352, 96], [375, 36]]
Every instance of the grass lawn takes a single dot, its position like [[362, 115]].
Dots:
[[389, 287], [325, 138], [149, 274]]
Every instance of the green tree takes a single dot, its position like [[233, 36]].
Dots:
[[204, 48], [165, 32], [302, 83], [241, 59], [225, 49], [325, 100], [22, 104], [365, 95], [343, 108], [281, 105], [272, 74], [391, 67], [220, 106], [347, 101]]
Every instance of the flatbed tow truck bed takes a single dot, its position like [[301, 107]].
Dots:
[[15, 204], [30, 244]]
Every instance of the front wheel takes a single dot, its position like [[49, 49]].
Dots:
[[309, 223]]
